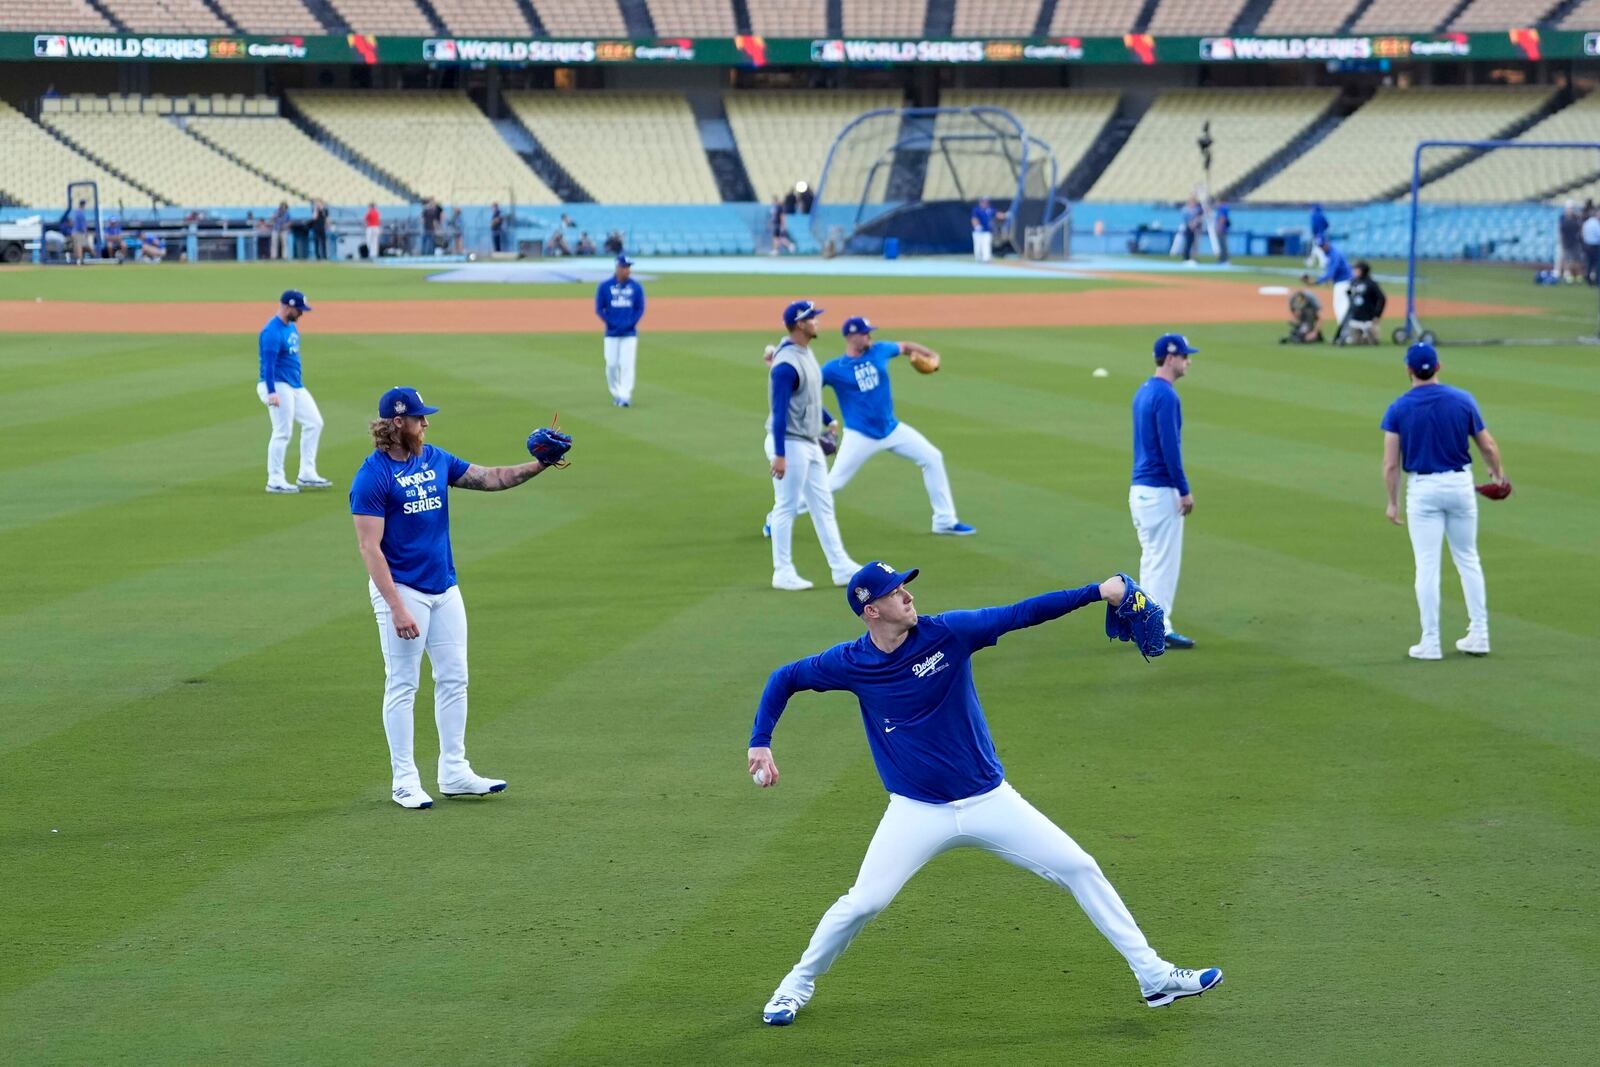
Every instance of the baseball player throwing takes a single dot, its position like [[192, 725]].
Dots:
[[794, 451], [913, 679], [1426, 433], [400, 500], [287, 399], [860, 378]]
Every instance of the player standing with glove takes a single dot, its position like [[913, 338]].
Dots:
[[287, 399], [1159, 498], [400, 501], [1426, 432], [913, 679]]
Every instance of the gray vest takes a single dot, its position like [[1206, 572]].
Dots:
[[805, 403]]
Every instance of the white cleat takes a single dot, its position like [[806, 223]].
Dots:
[[315, 481], [281, 487], [1425, 651], [790, 582], [1474, 645], [410, 795], [471, 785], [781, 1010], [1182, 982]]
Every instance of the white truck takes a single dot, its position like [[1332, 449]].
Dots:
[[19, 238]]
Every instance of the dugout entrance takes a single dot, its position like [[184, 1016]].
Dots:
[[914, 174]]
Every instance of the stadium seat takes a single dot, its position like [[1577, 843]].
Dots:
[[1066, 120], [581, 131], [1525, 174], [166, 16], [490, 18], [384, 16], [581, 18], [272, 16], [39, 167], [1383, 133], [1160, 161], [279, 149], [1195, 16], [55, 15], [887, 18], [434, 142], [1491, 15], [1404, 16], [693, 18], [784, 136], [996, 18], [1306, 16], [1094, 17], [1586, 16], [788, 18]]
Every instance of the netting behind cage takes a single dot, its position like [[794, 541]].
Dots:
[[914, 175]]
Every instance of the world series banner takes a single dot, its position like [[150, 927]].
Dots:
[[751, 51]]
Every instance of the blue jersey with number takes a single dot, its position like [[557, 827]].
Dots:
[[924, 722], [862, 386], [413, 499], [280, 354]]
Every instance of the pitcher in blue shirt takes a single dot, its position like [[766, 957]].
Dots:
[[619, 302], [400, 498], [1159, 497], [912, 678], [1426, 433], [288, 401]]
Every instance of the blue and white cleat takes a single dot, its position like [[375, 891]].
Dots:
[[410, 795], [766, 529], [959, 529], [780, 1010], [315, 481], [1183, 983], [473, 785], [281, 487]]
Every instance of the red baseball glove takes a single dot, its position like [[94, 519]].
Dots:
[[1495, 490]]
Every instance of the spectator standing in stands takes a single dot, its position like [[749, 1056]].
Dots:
[[374, 224], [1339, 273], [1222, 222], [1591, 244], [112, 235], [80, 232], [1570, 264], [280, 230], [497, 228], [780, 228], [1319, 230], [1367, 301], [983, 231], [619, 302], [319, 230], [585, 244]]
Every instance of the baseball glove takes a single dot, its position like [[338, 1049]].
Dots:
[[1138, 619], [549, 445], [1494, 490], [829, 439], [923, 364]]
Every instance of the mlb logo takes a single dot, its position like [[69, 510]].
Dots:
[[827, 51], [437, 51], [1216, 48], [1591, 44], [46, 46]]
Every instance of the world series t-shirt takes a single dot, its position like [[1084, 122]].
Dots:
[[862, 385], [413, 499]]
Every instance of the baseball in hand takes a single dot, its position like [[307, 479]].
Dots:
[[760, 777]]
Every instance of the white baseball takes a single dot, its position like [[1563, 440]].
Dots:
[[760, 776], [1101, 372]]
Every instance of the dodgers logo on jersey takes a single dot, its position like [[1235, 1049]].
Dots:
[[932, 665]]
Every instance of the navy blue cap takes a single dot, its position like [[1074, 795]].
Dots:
[[799, 311], [1173, 344], [855, 325], [624, 261], [402, 400], [1422, 357], [294, 298], [874, 580]]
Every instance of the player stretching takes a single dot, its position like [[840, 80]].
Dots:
[[402, 513], [288, 400], [913, 679], [1159, 497], [794, 429], [860, 378], [1426, 431], [619, 301]]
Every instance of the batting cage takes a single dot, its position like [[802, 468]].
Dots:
[[913, 175], [1501, 223]]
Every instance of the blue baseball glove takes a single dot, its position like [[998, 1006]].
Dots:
[[549, 445], [1138, 619]]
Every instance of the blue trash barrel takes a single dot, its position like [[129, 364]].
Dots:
[[891, 248]]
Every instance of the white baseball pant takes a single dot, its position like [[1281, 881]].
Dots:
[[1000, 822], [620, 356], [294, 405], [806, 479], [442, 633], [1341, 302], [905, 442], [374, 239], [982, 245], [1445, 507], [1159, 524]]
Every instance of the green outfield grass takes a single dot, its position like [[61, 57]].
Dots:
[[199, 862]]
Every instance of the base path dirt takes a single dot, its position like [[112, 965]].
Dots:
[[1158, 299]]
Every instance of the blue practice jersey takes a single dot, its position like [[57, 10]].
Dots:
[[918, 703], [983, 222], [620, 306], [1434, 423], [862, 386], [1157, 437], [1338, 268], [413, 498], [280, 355]]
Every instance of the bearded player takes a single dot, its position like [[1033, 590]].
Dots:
[[400, 500], [912, 677], [860, 379]]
